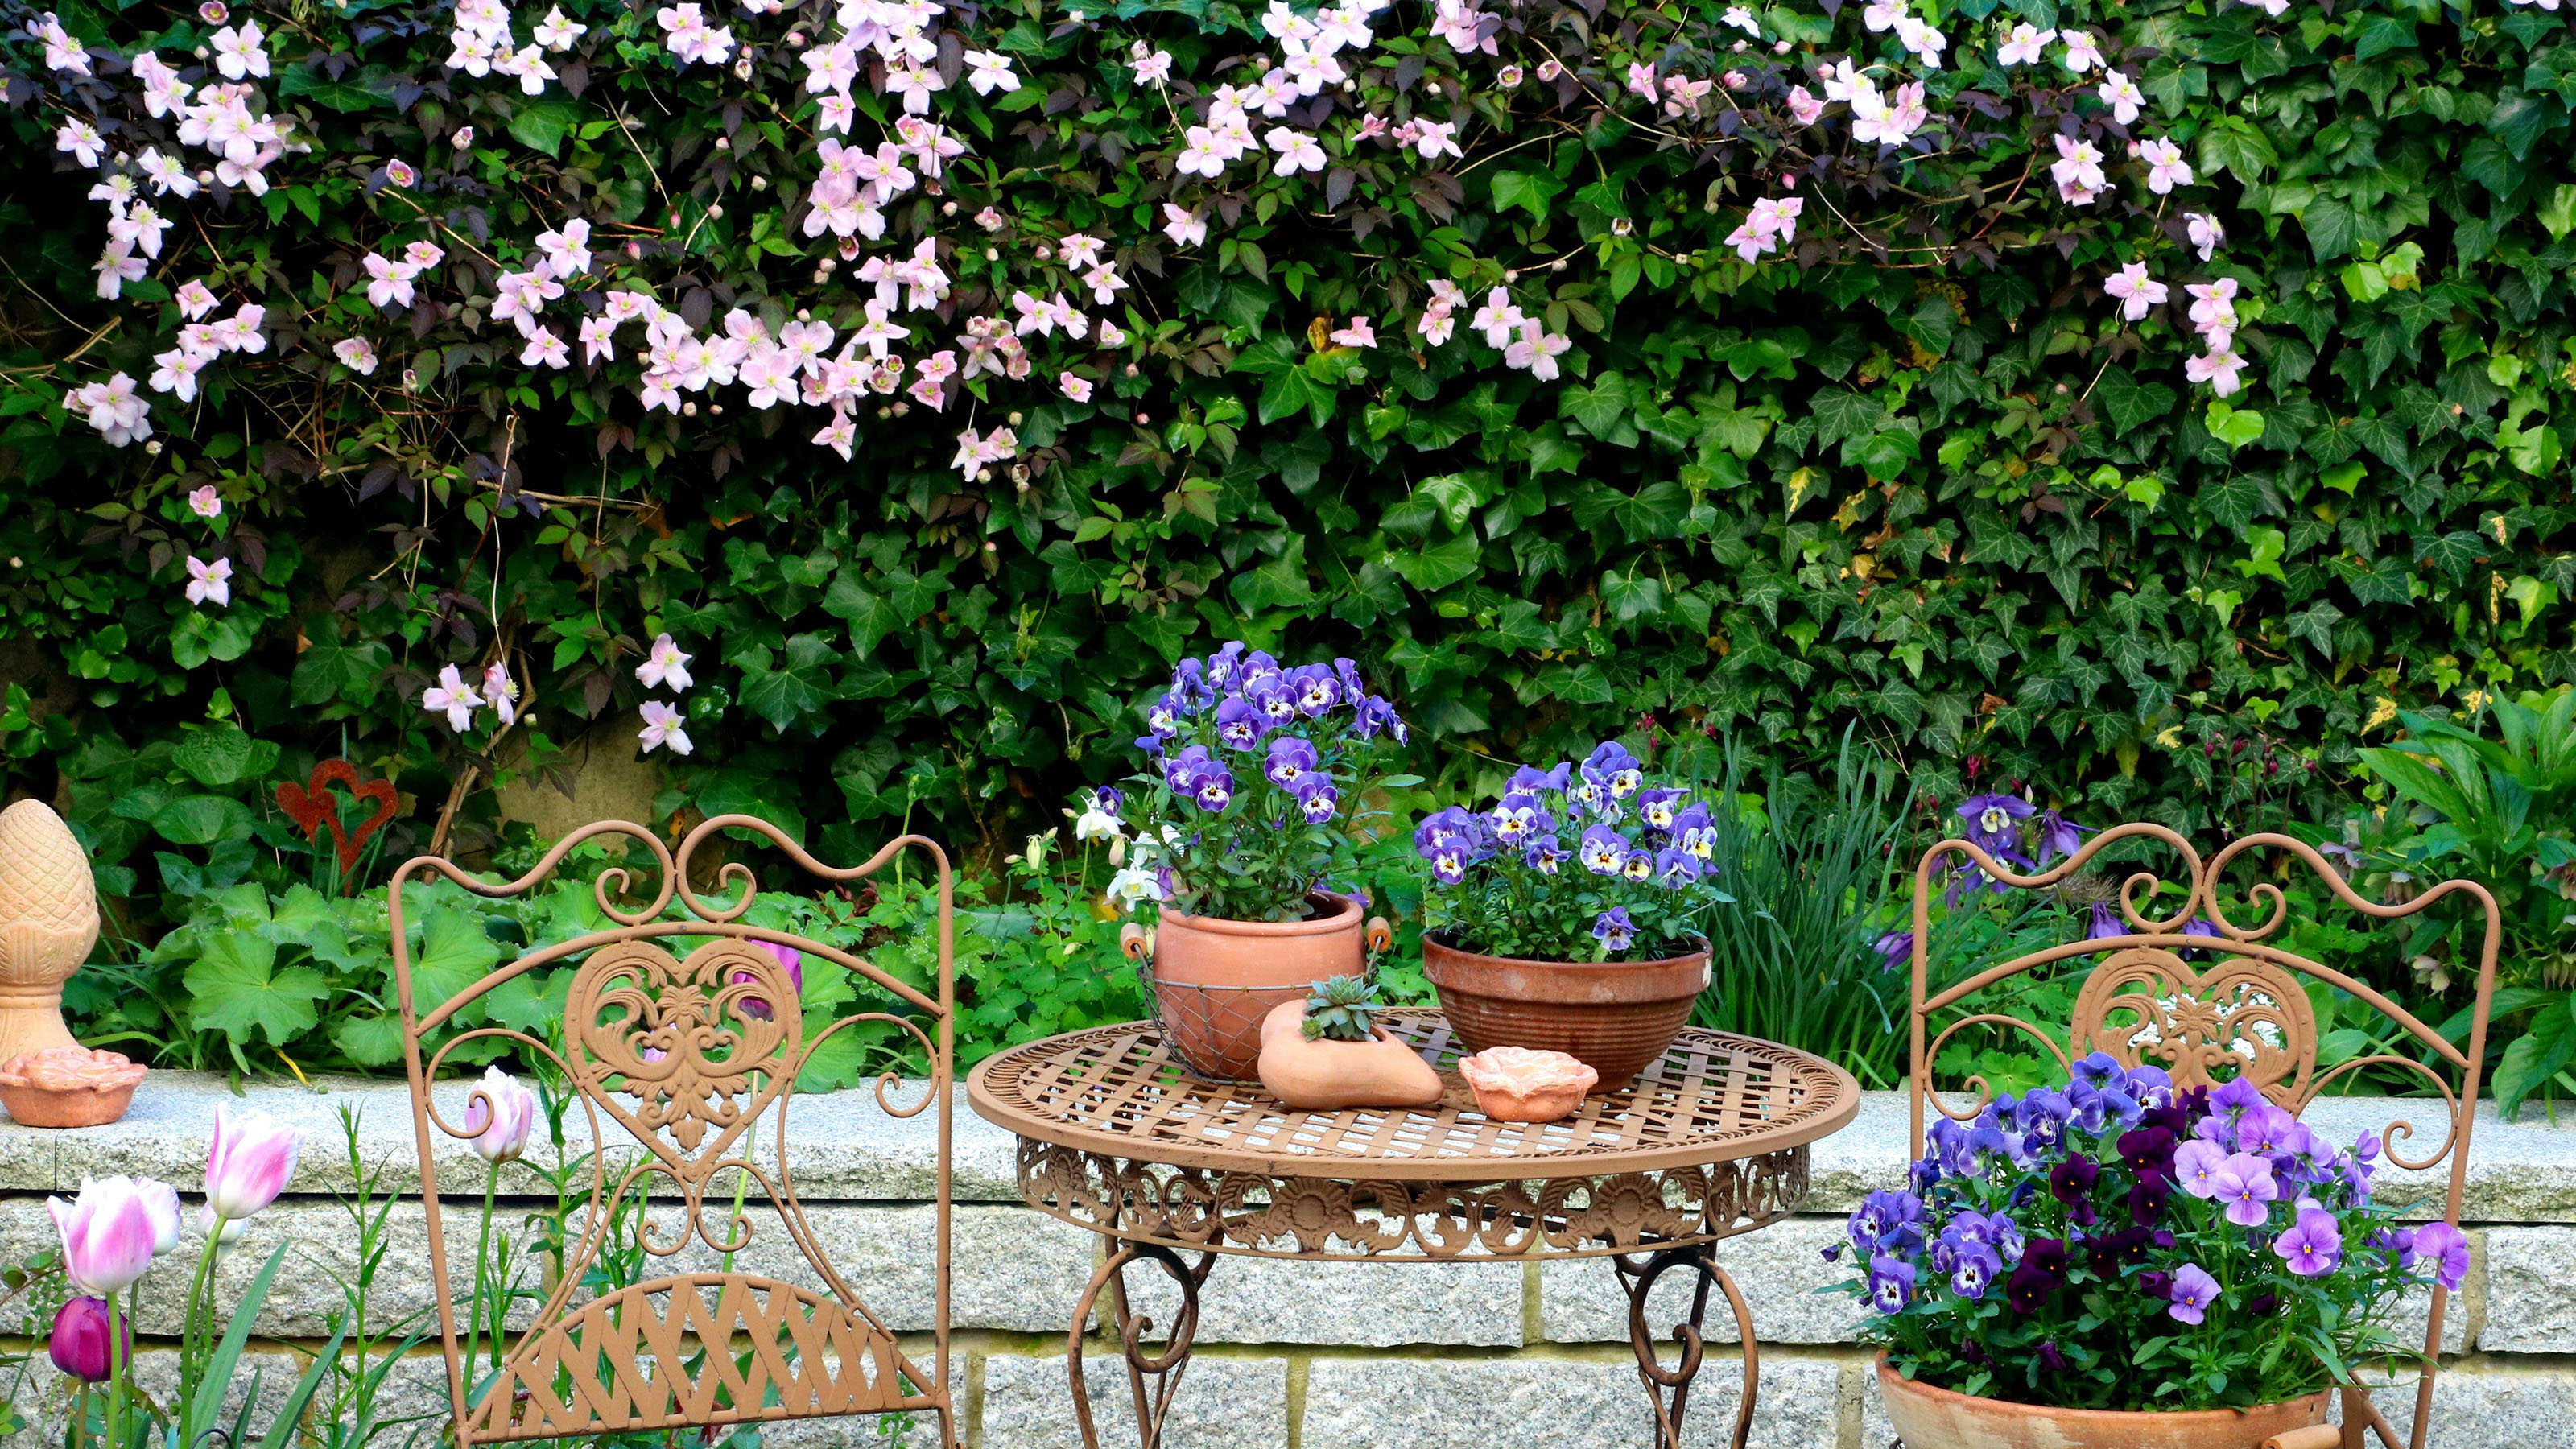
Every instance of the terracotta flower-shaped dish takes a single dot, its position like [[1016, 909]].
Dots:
[[1515, 1084], [68, 1086]]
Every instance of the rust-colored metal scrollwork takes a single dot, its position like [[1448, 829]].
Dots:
[[681, 1034], [1153, 1400], [2212, 1000], [1669, 1388]]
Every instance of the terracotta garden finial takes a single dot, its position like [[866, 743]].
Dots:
[[48, 922]]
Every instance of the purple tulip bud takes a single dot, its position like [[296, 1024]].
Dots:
[[79, 1343]]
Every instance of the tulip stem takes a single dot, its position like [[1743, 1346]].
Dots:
[[191, 1332], [117, 1369], [482, 1256]]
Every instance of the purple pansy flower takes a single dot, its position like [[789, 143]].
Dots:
[[1317, 798], [1239, 723], [1891, 1283], [2312, 1246], [1614, 930], [1272, 697], [1291, 760], [2447, 1249], [1658, 807], [1976, 1270], [2192, 1291], [2245, 1185], [1602, 850], [1315, 689], [1544, 855]]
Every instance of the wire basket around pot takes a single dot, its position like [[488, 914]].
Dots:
[[1615, 1017], [1213, 980]]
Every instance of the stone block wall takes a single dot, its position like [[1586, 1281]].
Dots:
[[1292, 1355]]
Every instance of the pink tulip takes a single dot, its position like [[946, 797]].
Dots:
[[786, 956], [78, 1345], [162, 1201], [108, 1234], [499, 1116], [248, 1166]]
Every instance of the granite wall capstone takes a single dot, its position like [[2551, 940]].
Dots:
[[1292, 1355]]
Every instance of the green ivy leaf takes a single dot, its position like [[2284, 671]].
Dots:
[[2130, 402], [202, 820], [2234, 426], [540, 124], [782, 691]]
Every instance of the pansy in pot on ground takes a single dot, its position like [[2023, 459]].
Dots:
[[2109, 1246], [1247, 823], [1569, 916]]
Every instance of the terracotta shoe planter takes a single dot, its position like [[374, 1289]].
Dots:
[[1215, 979], [1615, 1017], [1929, 1418], [1325, 1076]]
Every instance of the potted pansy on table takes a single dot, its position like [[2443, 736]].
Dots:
[[1247, 820], [1566, 917], [2111, 1262]]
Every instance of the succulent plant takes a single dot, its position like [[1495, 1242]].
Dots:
[[1342, 1009]]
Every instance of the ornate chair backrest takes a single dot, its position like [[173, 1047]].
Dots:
[[2243, 1013], [674, 1061]]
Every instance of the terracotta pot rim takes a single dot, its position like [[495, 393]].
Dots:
[[1312, 926], [1433, 938], [1892, 1382]]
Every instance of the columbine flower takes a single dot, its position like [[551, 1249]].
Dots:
[[665, 664], [455, 698], [206, 503], [209, 583], [661, 728]]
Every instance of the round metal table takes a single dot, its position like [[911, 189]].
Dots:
[[1117, 1135]]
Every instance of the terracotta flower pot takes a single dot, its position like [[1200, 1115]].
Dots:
[[1615, 1017], [1215, 979], [1928, 1418], [1326, 1075]]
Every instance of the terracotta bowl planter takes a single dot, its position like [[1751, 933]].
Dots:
[[1929, 1418], [68, 1086], [1615, 1017], [1215, 979]]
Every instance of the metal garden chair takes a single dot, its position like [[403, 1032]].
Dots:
[[675, 1060], [2242, 1012]]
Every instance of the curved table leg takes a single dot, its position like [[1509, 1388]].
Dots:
[[1163, 1368], [1637, 1274]]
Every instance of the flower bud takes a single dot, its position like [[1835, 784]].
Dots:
[[760, 183], [1015, 418], [688, 410], [78, 1345], [715, 213], [724, 143], [463, 138], [499, 1116]]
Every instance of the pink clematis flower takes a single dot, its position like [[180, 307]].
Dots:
[[662, 729], [210, 583]]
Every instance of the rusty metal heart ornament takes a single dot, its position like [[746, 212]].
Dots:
[[311, 807]]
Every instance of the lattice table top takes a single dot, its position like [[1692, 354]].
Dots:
[[1121, 1091]]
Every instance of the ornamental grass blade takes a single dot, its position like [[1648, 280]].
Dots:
[[227, 1354], [281, 1430]]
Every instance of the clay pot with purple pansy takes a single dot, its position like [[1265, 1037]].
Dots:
[[1926, 1417]]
